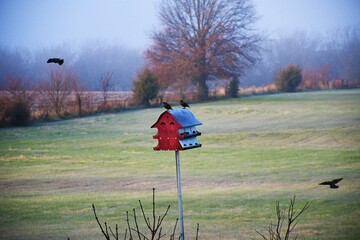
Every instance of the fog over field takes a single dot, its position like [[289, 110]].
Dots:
[[110, 36], [37, 24]]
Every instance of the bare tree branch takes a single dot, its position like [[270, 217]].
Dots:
[[116, 235], [136, 224], [172, 237], [155, 228], [292, 216], [97, 220], [197, 231], [128, 223]]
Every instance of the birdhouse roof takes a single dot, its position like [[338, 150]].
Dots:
[[183, 116]]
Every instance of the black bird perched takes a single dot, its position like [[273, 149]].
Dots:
[[59, 61], [167, 106], [332, 183], [184, 104]]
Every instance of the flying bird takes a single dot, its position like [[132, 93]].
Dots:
[[332, 183], [59, 61], [184, 104], [167, 106]]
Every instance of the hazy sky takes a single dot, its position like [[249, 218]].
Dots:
[[36, 23]]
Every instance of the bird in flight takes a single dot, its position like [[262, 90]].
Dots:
[[59, 61], [184, 104], [167, 106], [332, 183]]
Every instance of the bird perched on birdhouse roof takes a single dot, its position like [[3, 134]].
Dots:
[[184, 104], [167, 106]]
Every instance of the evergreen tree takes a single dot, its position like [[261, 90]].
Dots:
[[146, 88], [289, 79], [233, 88]]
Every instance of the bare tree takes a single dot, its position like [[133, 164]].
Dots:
[[58, 89], [346, 46], [203, 40], [105, 83], [80, 91]]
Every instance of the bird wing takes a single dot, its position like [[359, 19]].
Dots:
[[333, 182], [336, 180]]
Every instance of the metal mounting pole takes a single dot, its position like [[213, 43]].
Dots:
[[178, 180]]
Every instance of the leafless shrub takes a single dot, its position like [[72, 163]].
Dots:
[[276, 231], [16, 102], [57, 90], [314, 79], [131, 232]]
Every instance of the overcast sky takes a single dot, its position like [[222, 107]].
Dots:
[[36, 23]]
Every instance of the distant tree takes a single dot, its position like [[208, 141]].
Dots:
[[233, 88], [346, 46], [16, 102], [106, 83], [96, 58], [80, 91], [205, 40], [316, 79], [289, 78], [57, 89], [298, 47], [146, 87], [14, 62]]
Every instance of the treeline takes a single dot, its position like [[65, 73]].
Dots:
[[89, 61], [60, 96], [85, 84], [322, 58]]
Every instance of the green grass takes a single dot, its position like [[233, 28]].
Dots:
[[256, 151]]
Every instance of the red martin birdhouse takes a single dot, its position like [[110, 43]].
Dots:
[[177, 130]]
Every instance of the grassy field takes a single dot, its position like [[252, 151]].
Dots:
[[256, 151]]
